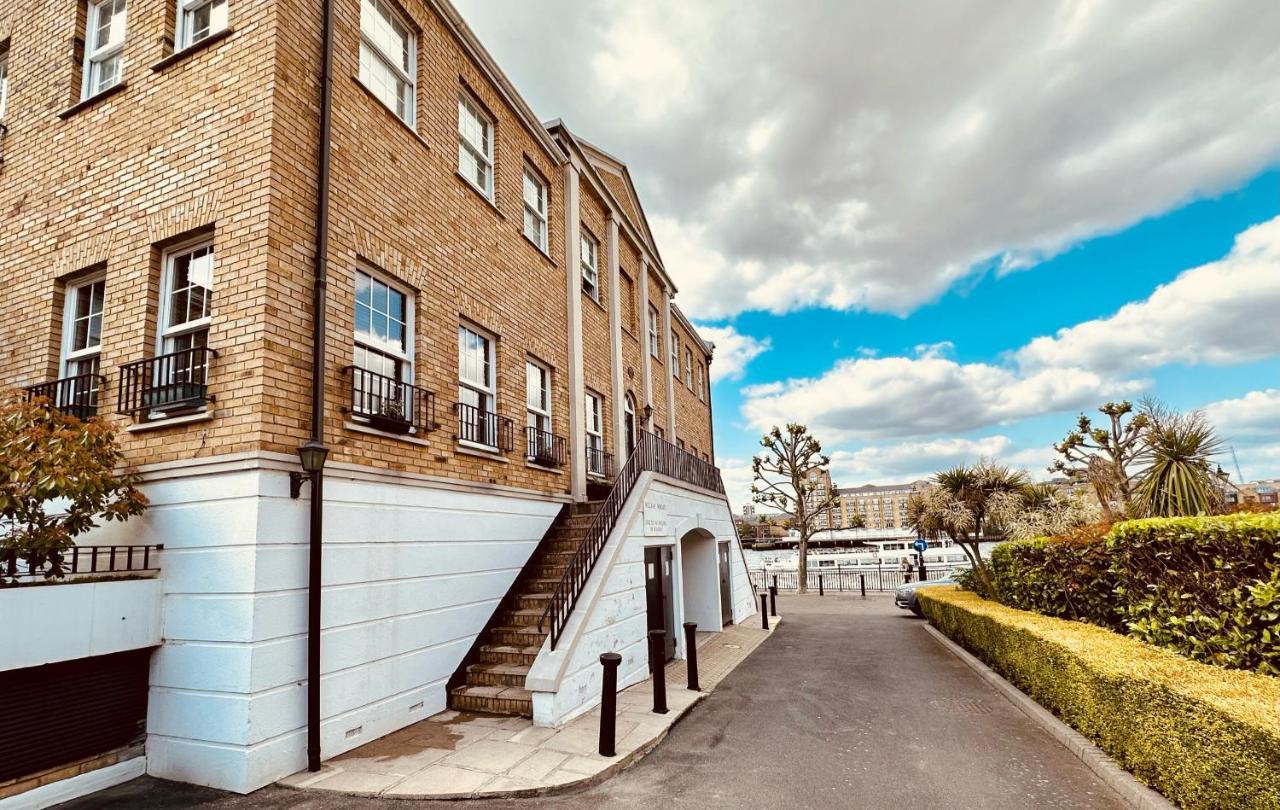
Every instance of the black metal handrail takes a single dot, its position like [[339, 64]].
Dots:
[[168, 382], [78, 561], [484, 428], [75, 396], [389, 404], [599, 462], [650, 454], [543, 447]]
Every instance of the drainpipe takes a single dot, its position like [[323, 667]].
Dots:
[[319, 299], [711, 419]]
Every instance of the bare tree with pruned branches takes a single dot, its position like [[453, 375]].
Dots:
[[791, 477]]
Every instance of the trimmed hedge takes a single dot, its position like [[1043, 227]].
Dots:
[[1203, 736], [1207, 587]]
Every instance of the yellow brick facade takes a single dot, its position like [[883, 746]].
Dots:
[[221, 142]]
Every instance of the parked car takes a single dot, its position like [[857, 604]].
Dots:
[[905, 595]]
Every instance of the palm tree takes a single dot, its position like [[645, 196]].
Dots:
[[963, 504], [1179, 478]]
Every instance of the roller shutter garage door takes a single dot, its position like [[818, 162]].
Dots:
[[59, 713]]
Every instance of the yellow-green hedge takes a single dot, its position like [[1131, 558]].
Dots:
[[1203, 736]]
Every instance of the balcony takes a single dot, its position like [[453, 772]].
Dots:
[[599, 463], [545, 448], [158, 386], [75, 396], [390, 405], [484, 428]]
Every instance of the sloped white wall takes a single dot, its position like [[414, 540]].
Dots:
[[610, 616], [413, 569]]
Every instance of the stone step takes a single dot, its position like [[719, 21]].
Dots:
[[516, 635], [569, 545], [521, 617], [541, 570], [508, 654], [539, 585], [532, 601], [497, 674], [587, 507], [509, 700]]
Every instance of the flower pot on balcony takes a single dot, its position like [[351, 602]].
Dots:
[[390, 419]]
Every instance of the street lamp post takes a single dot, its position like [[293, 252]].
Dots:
[[313, 454]]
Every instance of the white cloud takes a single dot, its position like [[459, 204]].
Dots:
[[911, 460], [1222, 312], [737, 476], [856, 155], [1254, 415], [734, 351], [871, 399]]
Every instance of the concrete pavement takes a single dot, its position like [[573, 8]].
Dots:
[[850, 703]]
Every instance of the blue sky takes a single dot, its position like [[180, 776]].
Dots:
[[994, 314], [929, 247]]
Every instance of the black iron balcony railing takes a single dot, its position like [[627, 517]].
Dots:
[[75, 396], [485, 428], [545, 448], [19, 565], [599, 462], [171, 382], [389, 404]]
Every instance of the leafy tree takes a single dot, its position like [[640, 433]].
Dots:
[[856, 521], [1102, 456], [791, 477], [57, 478], [964, 504], [1179, 479]]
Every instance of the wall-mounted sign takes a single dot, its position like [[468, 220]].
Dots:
[[655, 518]]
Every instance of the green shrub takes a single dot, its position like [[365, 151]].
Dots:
[[1207, 587], [1203, 736]]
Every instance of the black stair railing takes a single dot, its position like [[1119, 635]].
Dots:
[[651, 454]]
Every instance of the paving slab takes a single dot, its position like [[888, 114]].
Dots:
[[465, 754]]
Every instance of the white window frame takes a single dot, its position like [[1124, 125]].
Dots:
[[486, 391], [655, 348], [482, 153], [404, 355], [537, 210], [164, 332], [409, 94], [591, 266], [4, 83], [593, 419], [69, 356], [702, 383], [688, 368], [94, 58], [187, 10], [675, 355], [537, 416]]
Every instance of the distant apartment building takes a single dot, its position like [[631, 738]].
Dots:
[[879, 506], [1264, 492], [502, 350]]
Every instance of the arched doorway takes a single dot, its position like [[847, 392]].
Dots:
[[700, 579], [629, 420]]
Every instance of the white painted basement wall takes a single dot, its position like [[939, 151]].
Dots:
[[413, 569]]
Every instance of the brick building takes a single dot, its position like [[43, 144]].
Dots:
[[501, 335]]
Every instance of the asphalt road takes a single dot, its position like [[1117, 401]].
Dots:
[[850, 704]]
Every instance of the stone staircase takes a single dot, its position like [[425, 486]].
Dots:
[[508, 647]]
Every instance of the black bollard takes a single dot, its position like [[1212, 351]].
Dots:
[[773, 601], [820, 592], [657, 659], [862, 581], [691, 654], [609, 702], [775, 582], [764, 610]]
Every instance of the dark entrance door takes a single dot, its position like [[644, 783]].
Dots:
[[630, 419], [657, 588], [726, 600]]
